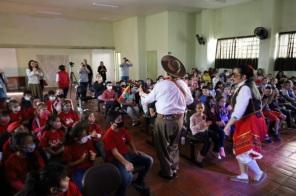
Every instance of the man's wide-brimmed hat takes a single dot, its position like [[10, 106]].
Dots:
[[173, 66]]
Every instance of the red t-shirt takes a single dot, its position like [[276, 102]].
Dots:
[[108, 95], [72, 190], [49, 105], [3, 128], [28, 113], [15, 116], [117, 140], [75, 151], [53, 139], [68, 119], [16, 169], [6, 149]]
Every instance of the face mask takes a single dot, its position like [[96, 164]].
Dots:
[[52, 98], [62, 190], [120, 125], [30, 148], [83, 140], [16, 109], [27, 98], [67, 109], [109, 87], [58, 125]]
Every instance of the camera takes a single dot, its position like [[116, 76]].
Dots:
[[71, 64]]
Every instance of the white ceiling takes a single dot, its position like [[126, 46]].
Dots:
[[108, 10]]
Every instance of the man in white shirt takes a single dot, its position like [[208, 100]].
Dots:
[[171, 96]]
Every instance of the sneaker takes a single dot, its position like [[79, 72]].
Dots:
[[260, 179], [165, 176], [238, 179], [141, 187], [135, 124]]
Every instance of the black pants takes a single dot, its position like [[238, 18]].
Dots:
[[217, 135]]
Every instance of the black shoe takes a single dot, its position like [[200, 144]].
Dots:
[[141, 188], [277, 138], [199, 164], [166, 177]]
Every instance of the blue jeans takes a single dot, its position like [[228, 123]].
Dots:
[[125, 78], [139, 161], [77, 177]]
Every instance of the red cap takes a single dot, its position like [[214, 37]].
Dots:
[[12, 126]]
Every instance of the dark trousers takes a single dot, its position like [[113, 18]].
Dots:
[[205, 139], [125, 78], [81, 93], [142, 161], [65, 91], [166, 139], [217, 135]]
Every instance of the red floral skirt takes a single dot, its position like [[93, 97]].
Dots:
[[248, 134]]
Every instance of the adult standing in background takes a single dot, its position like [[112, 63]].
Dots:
[[63, 79], [90, 72], [102, 70], [83, 80], [34, 75], [125, 65], [171, 96], [3, 90]]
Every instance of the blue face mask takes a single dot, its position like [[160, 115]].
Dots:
[[29, 148]]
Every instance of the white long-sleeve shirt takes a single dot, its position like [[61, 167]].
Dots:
[[169, 98], [34, 76], [242, 100]]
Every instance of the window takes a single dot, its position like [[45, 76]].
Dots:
[[287, 45], [286, 58], [236, 51]]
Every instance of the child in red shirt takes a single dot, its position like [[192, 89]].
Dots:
[[50, 100], [109, 97], [23, 161], [39, 122], [52, 180], [8, 147], [68, 116], [79, 153], [14, 111], [4, 121], [27, 109], [96, 133], [121, 151], [53, 137]]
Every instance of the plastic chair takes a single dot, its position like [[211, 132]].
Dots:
[[101, 180]]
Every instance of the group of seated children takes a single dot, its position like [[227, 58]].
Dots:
[[44, 136]]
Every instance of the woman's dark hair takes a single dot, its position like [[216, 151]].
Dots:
[[39, 183], [18, 140], [62, 67], [75, 132], [112, 115], [246, 70], [29, 64], [50, 122]]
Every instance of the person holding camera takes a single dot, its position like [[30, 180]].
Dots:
[[126, 64], [90, 72], [102, 70], [83, 80]]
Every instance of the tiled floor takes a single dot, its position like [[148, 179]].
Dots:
[[279, 162]]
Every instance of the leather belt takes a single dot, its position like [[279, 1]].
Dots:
[[169, 116]]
